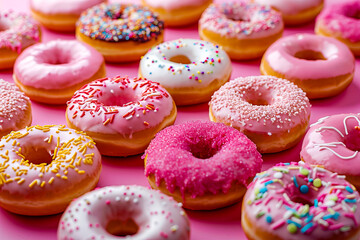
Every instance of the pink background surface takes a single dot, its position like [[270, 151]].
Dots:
[[219, 224]]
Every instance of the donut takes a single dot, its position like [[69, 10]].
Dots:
[[120, 32], [44, 167], [203, 165], [15, 108], [18, 31], [299, 201], [274, 113], [121, 114], [302, 58], [60, 15], [341, 21], [244, 30], [51, 72], [295, 12], [131, 212], [333, 142], [177, 13], [190, 70]]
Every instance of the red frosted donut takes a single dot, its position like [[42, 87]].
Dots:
[[300, 202], [204, 165], [273, 112]]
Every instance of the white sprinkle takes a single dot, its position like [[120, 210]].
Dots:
[[174, 228], [278, 175]]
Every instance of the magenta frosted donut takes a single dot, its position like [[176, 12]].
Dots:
[[302, 202], [302, 58], [272, 112], [115, 212], [334, 142], [341, 21], [204, 165]]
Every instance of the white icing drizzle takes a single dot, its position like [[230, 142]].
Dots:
[[321, 120], [331, 128], [346, 118]]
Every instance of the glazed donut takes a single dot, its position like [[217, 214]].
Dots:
[[299, 201], [60, 15], [177, 13], [132, 212], [44, 167], [333, 142], [120, 32], [122, 115], [302, 58], [15, 108], [190, 70], [295, 12], [341, 21], [274, 113], [51, 72], [244, 30], [18, 31], [204, 165]]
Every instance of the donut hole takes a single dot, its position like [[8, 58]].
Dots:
[[204, 149], [302, 201], [355, 14], [352, 140], [258, 97], [37, 155], [55, 57], [309, 55], [122, 228], [180, 59], [118, 97]]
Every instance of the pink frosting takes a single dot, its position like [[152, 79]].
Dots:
[[63, 6], [17, 31], [174, 4], [13, 106], [281, 57], [201, 157], [291, 7], [119, 106], [327, 143], [287, 106], [241, 20], [157, 215], [341, 19], [57, 64], [275, 200]]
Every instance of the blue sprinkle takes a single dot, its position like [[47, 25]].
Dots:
[[349, 189], [316, 203], [268, 182], [336, 215], [295, 223], [268, 219], [310, 180], [350, 200], [295, 182], [307, 227], [286, 164], [309, 218], [263, 190], [326, 217], [304, 189]]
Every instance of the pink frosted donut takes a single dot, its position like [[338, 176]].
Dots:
[[302, 58], [341, 21], [204, 165], [273, 112], [334, 142], [295, 12], [44, 167], [302, 202], [15, 108], [60, 15], [18, 31], [121, 114], [129, 212], [51, 72]]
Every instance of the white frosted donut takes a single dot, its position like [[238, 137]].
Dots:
[[190, 70], [134, 212]]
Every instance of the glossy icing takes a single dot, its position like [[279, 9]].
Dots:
[[341, 20], [13, 106], [332, 211], [290, 7], [63, 6], [287, 105], [157, 215], [241, 20], [119, 105], [174, 4], [208, 62], [57, 64], [18, 31], [201, 157], [324, 144], [281, 57]]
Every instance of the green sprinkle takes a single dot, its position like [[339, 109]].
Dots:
[[305, 209], [260, 214], [317, 183], [333, 197], [292, 228], [345, 229], [304, 171]]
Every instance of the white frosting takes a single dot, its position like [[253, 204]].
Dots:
[[63, 6]]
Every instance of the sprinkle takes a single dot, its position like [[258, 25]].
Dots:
[[304, 171], [317, 182], [304, 189], [268, 219], [307, 227], [278, 175], [349, 189], [292, 228]]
